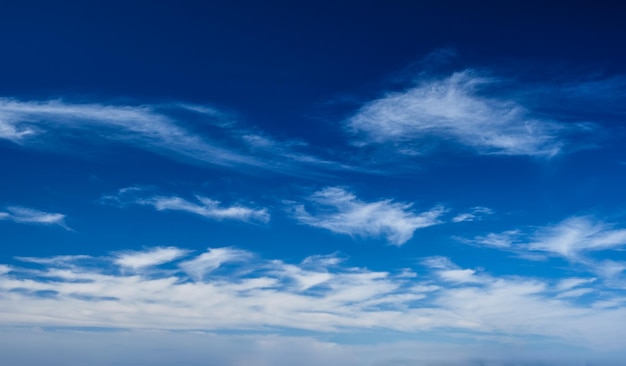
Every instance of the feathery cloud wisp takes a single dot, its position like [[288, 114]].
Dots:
[[198, 267], [576, 235], [162, 129], [573, 239], [24, 215], [340, 211], [454, 109], [153, 257], [204, 206], [476, 213]]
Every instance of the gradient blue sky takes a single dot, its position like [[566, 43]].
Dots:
[[338, 183]]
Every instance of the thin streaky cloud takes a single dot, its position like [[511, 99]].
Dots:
[[59, 260], [454, 109], [25, 215], [153, 257], [209, 208], [570, 283], [573, 239], [340, 211], [475, 214], [204, 206], [155, 128], [576, 235], [570, 238], [501, 240], [141, 125], [198, 267]]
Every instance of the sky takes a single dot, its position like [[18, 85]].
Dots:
[[328, 183]]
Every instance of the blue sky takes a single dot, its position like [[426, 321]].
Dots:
[[351, 183]]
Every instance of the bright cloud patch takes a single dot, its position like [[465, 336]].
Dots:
[[454, 109], [317, 294], [152, 257], [24, 215], [208, 208], [340, 211]]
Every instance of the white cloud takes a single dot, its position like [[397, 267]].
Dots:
[[232, 289], [139, 125], [161, 129], [576, 235], [204, 206], [447, 271], [456, 109], [575, 292], [607, 269], [475, 214], [208, 208], [24, 215], [340, 211], [153, 257], [497, 240], [205, 263], [574, 239], [60, 260], [4, 269], [570, 283]]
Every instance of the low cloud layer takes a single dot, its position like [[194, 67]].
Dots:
[[232, 289]]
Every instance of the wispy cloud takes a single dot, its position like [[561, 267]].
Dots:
[[457, 108], [340, 211], [208, 208], [24, 215], [203, 206], [576, 235], [450, 272], [476, 213], [228, 288], [504, 239], [165, 129], [152, 257], [574, 239], [198, 267]]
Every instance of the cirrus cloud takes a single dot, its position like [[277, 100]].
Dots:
[[340, 211], [456, 108]]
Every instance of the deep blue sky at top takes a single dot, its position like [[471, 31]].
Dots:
[[242, 54], [294, 69]]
